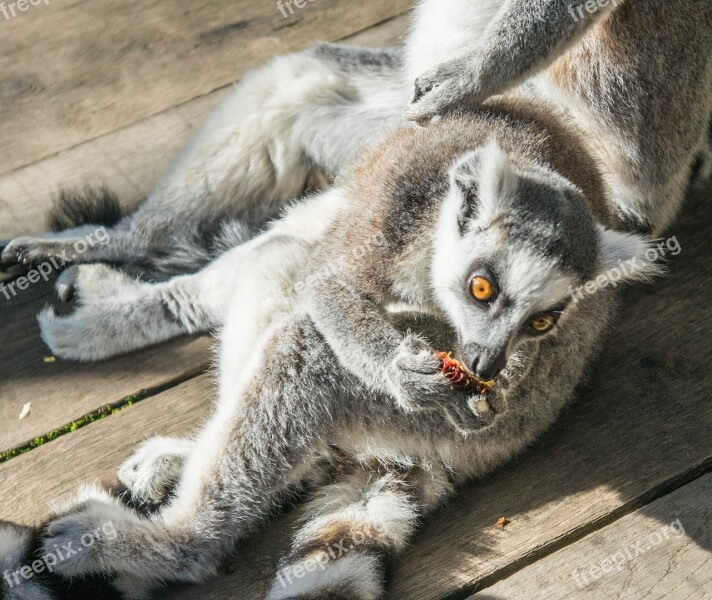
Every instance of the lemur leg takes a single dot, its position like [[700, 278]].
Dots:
[[228, 488], [267, 437], [353, 527], [54, 249], [298, 119], [524, 37], [115, 314], [16, 545]]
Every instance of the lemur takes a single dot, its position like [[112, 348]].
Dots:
[[480, 222], [632, 75], [477, 225]]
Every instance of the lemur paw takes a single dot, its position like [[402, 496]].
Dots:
[[28, 251], [78, 538], [154, 469], [418, 383], [72, 328], [442, 88]]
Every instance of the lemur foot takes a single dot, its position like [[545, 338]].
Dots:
[[82, 530], [154, 469], [442, 88], [419, 385], [28, 251], [72, 327]]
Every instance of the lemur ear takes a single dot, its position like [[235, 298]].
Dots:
[[484, 181], [628, 257]]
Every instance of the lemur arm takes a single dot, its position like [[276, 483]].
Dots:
[[365, 342], [357, 330], [526, 37]]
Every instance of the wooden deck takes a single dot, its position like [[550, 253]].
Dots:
[[107, 91]]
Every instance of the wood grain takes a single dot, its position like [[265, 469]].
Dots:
[[658, 552], [94, 452], [71, 71], [61, 392]]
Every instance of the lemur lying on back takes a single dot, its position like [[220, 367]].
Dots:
[[480, 222]]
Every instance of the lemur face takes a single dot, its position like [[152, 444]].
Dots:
[[509, 249]]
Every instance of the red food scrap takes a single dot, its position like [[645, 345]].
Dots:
[[458, 376]]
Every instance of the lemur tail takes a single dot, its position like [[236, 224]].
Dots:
[[28, 574], [352, 530], [89, 206]]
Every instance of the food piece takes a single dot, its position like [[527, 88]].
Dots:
[[49, 359], [501, 522], [459, 377]]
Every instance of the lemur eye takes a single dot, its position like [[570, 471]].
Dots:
[[482, 289], [543, 323]]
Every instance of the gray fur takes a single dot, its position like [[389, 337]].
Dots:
[[243, 167]]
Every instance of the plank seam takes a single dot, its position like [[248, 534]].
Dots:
[[655, 493], [101, 413], [175, 106]]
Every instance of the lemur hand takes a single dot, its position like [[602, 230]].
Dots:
[[443, 87], [418, 383]]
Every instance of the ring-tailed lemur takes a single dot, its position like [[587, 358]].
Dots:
[[476, 221], [326, 374], [634, 75]]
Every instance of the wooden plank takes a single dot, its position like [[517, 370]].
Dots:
[[115, 63], [659, 552], [128, 161], [61, 392]]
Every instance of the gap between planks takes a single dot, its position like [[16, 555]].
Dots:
[[641, 556], [174, 52]]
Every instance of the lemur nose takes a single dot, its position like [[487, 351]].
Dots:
[[487, 370], [487, 374]]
